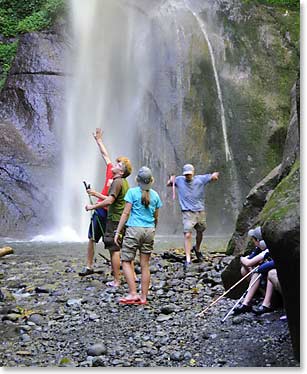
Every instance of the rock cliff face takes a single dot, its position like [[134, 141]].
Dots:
[[31, 107], [250, 53], [276, 209]]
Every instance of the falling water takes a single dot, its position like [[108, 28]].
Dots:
[[102, 91], [112, 63], [216, 77]]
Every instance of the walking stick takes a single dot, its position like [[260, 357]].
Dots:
[[87, 187], [225, 293], [249, 287]]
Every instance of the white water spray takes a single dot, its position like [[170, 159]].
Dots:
[[103, 91]]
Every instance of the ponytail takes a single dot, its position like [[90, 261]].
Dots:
[[146, 198]]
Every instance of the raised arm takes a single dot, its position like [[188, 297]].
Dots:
[[102, 148]]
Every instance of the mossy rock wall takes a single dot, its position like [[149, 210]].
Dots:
[[280, 221]]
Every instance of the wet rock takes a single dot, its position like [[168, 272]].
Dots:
[[74, 302], [176, 356], [37, 319], [97, 349], [13, 317]]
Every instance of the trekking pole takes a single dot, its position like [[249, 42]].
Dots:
[[87, 187], [225, 293], [249, 287]]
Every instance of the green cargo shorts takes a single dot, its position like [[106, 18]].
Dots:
[[137, 238]]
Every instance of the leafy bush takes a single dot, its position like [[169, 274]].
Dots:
[[19, 16], [42, 18], [20, 9], [7, 53]]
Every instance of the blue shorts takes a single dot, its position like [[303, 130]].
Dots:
[[99, 221]]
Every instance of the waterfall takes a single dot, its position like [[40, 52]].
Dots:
[[217, 81], [128, 76], [103, 91]]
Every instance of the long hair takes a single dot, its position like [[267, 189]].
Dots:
[[145, 198]]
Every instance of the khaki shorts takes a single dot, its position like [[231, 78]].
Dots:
[[196, 220], [137, 238]]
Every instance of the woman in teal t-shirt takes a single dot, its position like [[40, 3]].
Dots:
[[140, 216]]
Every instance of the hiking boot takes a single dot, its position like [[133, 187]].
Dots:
[[86, 271], [262, 309], [242, 309], [198, 254]]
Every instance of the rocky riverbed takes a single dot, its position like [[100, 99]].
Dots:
[[52, 317]]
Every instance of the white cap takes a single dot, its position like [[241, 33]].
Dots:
[[256, 233]]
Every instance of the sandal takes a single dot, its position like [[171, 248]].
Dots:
[[128, 300]]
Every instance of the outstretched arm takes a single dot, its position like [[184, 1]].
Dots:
[[102, 148]]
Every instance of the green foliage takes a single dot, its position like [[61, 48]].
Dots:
[[7, 53], [290, 4], [18, 16], [42, 18], [20, 9]]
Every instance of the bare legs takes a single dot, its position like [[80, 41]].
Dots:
[[251, 292], [188, 245], [145, 278], [115, 264], [268, 294], [129, 273], [90, 253]]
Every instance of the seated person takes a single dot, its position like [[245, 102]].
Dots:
[[256, 236], [272, 285], [265, 264]]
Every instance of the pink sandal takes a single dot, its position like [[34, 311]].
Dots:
[[129, 300]]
